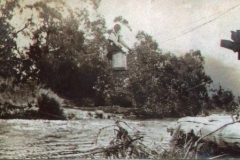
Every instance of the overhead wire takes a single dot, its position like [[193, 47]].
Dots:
[[201, 25], [181, 26], [205, 23]]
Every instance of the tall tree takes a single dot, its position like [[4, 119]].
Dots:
[[166, 84], [9, 53], [68, 51]]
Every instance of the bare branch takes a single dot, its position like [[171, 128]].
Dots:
[[100, 130], [196, 143], [25, 26]]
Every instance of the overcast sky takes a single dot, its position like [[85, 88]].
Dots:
[[182, 25]]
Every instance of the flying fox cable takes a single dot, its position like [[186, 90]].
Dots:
[[195, 21], [197, 27], [201, 25]]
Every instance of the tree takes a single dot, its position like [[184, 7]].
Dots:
[[193, 81], [165, 84], [10, 63], [69, 51], [223, 99]]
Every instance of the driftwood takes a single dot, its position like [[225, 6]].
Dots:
[[195, 133]]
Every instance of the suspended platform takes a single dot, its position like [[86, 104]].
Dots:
[[119, 61]]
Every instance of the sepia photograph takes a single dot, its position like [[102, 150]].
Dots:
[[119, 79]]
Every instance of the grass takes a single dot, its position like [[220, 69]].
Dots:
[[17, 95], [50, 105], [28, 101], [16, 100]]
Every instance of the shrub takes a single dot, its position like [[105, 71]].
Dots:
[[122, 99], [17, 100], [16, 94], [87, 102], [10, 111], [50, 105]]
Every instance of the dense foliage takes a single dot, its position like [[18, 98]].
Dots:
[[67, 55], [167, 84]]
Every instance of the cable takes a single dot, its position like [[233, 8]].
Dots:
[[199, 85], [187, 31], [190, 23], [201, 24]]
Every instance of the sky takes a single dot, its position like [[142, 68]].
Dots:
[[183, 25]]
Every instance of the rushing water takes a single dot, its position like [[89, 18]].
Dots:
[[23, 139]]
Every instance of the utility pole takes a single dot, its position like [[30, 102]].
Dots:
[[233, 45]]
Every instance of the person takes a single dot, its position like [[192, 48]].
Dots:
[[116, 43]]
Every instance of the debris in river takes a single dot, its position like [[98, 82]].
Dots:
[[213, 136], [123, 145]]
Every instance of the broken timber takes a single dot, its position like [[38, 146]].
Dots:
[[221, 130]]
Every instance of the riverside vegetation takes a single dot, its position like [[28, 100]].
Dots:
[[66, 58], [65, 65]]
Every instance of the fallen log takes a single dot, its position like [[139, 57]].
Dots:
[[220, 130]]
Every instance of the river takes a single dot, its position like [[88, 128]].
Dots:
[[22, 139]]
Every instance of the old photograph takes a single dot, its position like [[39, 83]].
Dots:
[[119, 79]]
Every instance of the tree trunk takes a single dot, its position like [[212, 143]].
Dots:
[[220, 130]]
